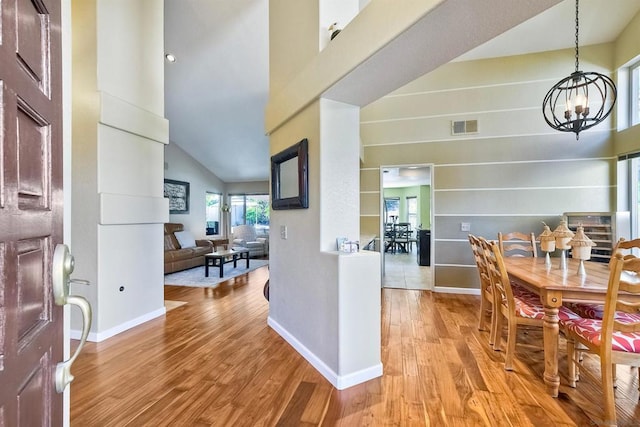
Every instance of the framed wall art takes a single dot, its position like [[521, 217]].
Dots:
[[178, 194]]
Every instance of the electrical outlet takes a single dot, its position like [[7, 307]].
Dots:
[[465, 226]]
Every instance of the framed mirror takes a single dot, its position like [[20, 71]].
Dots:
[[289, 177]]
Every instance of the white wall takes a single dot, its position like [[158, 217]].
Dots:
[[339, 176], [513, 174], [627, 51], [251, 187], [181, 166], [131, 52], [300, 280], [382, 48], [119, 134], [340, 11], [315, 293], [325, 304]]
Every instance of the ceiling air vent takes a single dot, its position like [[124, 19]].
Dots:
[[463, 127]]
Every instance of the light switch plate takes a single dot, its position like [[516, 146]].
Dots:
[[283, 232], [465, 226]]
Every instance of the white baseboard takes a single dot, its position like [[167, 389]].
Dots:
[[101, 336], [364, 375], [462, 291], [339, 382]]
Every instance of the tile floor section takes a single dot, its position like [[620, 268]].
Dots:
[[403, 272]]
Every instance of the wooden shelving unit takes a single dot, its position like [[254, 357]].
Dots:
[[604, 228]]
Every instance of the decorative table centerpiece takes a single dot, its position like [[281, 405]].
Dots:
[[581, 248], [563, 236], [547, 243]]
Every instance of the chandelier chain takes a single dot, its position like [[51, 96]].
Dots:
[[577, 27], [581, 100]]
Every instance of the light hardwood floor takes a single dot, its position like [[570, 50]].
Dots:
[[214, 361]]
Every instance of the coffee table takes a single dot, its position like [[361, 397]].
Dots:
[[222, 257]]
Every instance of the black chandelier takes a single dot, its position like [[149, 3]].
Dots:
[[575, 93]]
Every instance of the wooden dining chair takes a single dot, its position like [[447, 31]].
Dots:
[[516, 306], [615, 339], [628, 249], [389, 238], [486, 292], [517, 244], [402, 236]]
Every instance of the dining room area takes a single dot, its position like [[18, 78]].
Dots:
[[581, 313], [406, 242]]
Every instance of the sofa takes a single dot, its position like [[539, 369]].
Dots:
[[181, 250], [245, 236]]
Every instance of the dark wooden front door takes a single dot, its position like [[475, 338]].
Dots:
[[30, 210]]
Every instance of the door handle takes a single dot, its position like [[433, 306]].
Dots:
[[62, 267]]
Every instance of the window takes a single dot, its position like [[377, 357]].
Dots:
[[629, 183], [212, 213], [634, 73], [634, 198], [391, 209], [412, 211], [250, 209]]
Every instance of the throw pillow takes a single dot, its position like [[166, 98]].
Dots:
[[185, 239]]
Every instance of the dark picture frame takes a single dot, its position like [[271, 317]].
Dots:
[[178, 194], [290, 177]]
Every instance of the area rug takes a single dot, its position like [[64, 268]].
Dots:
[[195, 276], [170, 305]]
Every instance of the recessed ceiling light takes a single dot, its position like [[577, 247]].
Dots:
[[170, 57]]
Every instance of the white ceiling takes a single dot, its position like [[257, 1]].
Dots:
[[217, 90], [396, 177]]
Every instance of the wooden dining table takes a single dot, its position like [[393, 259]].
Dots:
[[555, 286]]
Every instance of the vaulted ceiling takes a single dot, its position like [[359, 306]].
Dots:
[[217, 90]]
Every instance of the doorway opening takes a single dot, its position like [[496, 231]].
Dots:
[[406, 225]]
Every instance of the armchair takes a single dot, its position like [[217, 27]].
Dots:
[[245, 236]]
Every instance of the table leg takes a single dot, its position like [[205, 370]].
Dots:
[[235, 261], [246, 255], [551, 329], [206, 267], [221, 261]]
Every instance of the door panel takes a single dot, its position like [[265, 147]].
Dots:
[[34, 303], [32, 32], [33, 179], [30, 210]]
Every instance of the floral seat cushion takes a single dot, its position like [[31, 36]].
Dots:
[[591, 330], [520, 291], [529, 306], [528, 309], [587, 310], [596, 311]]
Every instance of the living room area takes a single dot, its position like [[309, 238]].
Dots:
[[208, 215]]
